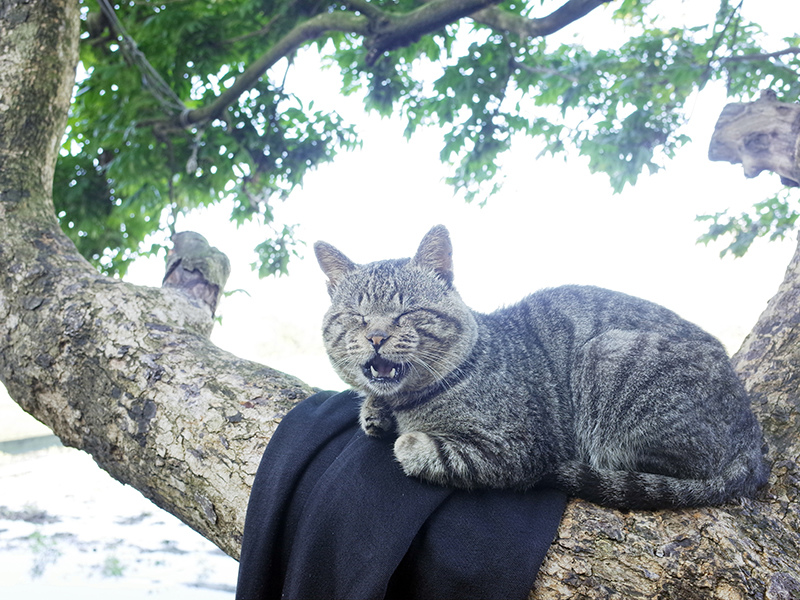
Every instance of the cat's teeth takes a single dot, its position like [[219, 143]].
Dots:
[[377, 375]]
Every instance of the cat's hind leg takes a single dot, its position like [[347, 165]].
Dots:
[[660, 422]]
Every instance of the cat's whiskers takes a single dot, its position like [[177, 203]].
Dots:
[[348, 363], [432, 362]]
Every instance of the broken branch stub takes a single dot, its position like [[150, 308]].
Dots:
[[761, 136]]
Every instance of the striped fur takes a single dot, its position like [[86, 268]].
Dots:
[[608, 397]]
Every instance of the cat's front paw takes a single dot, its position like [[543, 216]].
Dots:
[[375, 420], [419, 456]]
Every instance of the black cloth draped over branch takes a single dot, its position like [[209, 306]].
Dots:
[[332, 516]]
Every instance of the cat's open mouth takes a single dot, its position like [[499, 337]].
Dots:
[[380, 369]]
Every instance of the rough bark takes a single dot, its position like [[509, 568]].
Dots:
[[127, 374]]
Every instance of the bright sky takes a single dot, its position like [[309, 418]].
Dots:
[[552, 224]]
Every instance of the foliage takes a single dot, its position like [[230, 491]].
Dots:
[[112, 567], [774, 217], [126, 159], [151, 133], [274, 253]]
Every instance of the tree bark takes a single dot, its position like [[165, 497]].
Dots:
[[127, 374]]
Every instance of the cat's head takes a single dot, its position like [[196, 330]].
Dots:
[[399, 325]]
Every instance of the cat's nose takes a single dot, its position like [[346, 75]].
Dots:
[[377, 338]]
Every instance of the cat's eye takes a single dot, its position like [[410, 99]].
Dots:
[[354, 317], [401, 315]]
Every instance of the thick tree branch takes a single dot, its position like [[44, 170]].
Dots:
[[35, 87], [125, 373]]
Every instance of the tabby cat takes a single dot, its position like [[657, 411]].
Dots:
[[608, 397]]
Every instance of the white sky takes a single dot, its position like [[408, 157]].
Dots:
[[552, 224]]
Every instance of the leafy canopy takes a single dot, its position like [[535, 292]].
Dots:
[[181, 103]]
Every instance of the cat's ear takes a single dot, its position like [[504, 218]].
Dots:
[[436, 252], [333, 263]]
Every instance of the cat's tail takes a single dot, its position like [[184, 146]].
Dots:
[[648, 491]]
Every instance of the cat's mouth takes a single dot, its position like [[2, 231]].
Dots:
[[385, 371]]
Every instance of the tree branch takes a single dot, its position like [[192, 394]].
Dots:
[[305, 32], [569, 12], [384, 31], [31, 82], [125, 373], [746, 57], [393, 31]]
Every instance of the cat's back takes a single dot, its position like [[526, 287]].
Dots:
[[573, 314]]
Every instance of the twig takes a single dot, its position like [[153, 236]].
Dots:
[[765, 56], [542, 70], [151, 79], [245, 36]]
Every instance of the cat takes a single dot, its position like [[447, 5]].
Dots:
[[608, 397]]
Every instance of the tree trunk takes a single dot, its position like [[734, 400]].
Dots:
[[127, 374]]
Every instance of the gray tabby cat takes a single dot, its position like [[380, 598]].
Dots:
[[608, 397]]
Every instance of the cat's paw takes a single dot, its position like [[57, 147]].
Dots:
[[418, 455], [374, 420]]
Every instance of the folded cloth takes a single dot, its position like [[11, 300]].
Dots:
[[332, 516]]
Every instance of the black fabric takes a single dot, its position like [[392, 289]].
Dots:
[[332, 516]]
